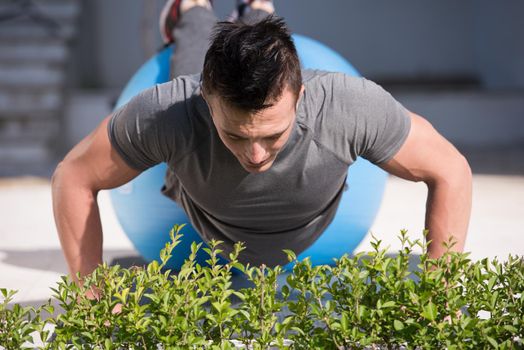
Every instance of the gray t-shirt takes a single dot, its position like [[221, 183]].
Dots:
[[286, 207]]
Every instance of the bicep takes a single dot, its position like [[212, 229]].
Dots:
[[95, 163], [425, 155]]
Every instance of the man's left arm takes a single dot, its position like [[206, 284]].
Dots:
[[427, 156]]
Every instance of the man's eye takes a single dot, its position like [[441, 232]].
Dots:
[[234, 138], [274, 138]]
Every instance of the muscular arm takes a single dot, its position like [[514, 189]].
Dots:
[[89, 167], [427, 156]]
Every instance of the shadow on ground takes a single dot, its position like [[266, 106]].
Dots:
[[53, 259], [239, 281]]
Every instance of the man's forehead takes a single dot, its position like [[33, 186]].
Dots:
[[265, 129]]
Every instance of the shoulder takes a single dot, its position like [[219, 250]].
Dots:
[[162, 96], [336, 83], [161, 100], [347, 113], [339, 94], [332, 96], [167, 117]]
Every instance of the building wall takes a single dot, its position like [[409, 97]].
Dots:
[[401, 40], [404, 39], [499, 43]]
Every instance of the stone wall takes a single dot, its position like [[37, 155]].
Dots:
[[34, 53]]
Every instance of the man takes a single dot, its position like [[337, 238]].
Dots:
[[257, 150]]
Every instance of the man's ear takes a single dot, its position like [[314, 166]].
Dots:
[[203, 93], [301, 92]]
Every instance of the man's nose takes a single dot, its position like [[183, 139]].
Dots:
[[256, 152]]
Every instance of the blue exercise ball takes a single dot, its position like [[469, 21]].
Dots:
[[147, 216]]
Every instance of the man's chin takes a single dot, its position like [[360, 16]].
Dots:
[[257, 169]]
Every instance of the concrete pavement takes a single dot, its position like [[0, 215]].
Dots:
[[31, 260]]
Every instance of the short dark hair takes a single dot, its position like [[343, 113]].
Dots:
[[249, 65]]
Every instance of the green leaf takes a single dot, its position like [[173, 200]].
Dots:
[[429, 311], [50, 309], [494, 298], [123, 296], [388, 304], [493, 342], [398, 325], [285, 290], [344, 322], [329, 306], [510, 329], [290, 254], [153, 267], [88, 335], [491, 282], [298, 330], [163, 320], [287, 320], [239, 266], [363, 275], [362, 311], [410, 321]]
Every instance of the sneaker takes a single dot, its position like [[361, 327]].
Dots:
[[168, 19]]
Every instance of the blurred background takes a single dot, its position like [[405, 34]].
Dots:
[[63, 64], [458, 63]]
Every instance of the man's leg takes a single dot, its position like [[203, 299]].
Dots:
[[253, 11], [193, 23]]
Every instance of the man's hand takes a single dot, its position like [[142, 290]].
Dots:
[[427, 156]]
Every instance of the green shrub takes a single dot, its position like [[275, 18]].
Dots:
[[369, 300], [18, 325]]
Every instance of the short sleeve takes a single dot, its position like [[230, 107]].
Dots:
[[137, 132], [376, 124]]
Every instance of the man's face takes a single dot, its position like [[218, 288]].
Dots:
[[254, 138]]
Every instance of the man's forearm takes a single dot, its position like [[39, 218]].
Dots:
[[78, 224], [448, 211]]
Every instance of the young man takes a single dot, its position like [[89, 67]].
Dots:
[[257, 150]]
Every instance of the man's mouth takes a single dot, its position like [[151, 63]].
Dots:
[[257, 165]]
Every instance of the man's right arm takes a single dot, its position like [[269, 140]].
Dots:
[[91, 166]]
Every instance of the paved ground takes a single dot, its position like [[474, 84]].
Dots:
[[31, 260]]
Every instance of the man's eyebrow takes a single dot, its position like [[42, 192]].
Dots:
[[266, 137]]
